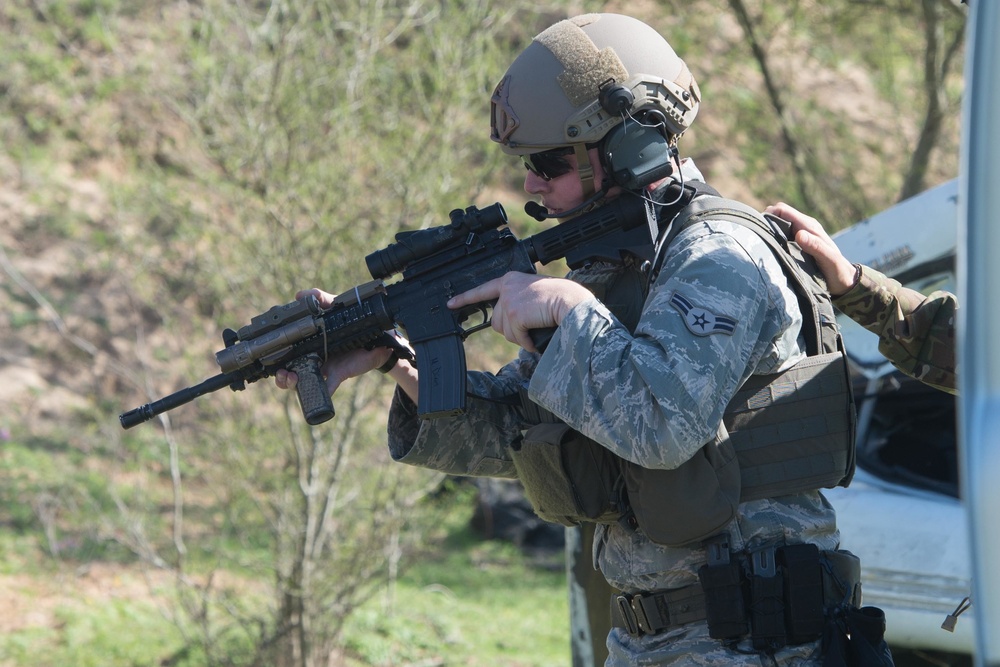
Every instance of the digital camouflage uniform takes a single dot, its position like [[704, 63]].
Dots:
[[916, 333], [654, 398]]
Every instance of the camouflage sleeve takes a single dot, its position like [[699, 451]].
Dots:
[[476, 443], [916, 333], [709, 321]]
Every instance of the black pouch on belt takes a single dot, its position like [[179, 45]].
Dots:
[[767, 606], [855, 637], [803, 578], [723, 583]]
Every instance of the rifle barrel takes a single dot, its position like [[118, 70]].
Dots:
[[146, 412]]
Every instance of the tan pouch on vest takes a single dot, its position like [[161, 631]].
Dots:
[[567, 477], [689, 503]]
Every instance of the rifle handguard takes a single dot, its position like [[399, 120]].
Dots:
[[314, 398]]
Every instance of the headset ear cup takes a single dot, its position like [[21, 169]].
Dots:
[[636, 154]]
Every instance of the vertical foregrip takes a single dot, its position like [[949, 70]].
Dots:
[[314, 397], [441, 366]]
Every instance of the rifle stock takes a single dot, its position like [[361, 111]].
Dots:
[[436, 264]]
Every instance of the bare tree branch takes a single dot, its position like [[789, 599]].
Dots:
[[795, 152], [938, 58]]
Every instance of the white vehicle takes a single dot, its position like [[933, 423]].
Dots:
[[979, 284], [901, 514]]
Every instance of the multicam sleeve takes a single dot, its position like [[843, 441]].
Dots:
[[916, 332]]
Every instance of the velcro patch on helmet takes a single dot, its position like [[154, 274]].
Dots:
[[699, 321], [502, 117], [585, 66]]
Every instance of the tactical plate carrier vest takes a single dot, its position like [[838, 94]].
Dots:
[[781, 434]]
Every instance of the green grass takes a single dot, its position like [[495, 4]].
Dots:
[[468, 602], [104, 634], [478, 603]]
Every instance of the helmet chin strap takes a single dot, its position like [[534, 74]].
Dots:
[[584, 170]]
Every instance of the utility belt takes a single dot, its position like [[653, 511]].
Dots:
[[776, 596]]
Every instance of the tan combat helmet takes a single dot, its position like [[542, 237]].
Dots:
[[584, 76]]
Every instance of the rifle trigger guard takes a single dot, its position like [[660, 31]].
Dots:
[[485, 324]]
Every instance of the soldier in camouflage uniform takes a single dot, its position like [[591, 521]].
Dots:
[[646, 376], [916, 332]]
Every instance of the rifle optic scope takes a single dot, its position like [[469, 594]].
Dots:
[[420, 243]]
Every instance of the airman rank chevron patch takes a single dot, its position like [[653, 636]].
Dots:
[[699, 321]]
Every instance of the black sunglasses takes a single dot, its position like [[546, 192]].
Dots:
[[549, 164]]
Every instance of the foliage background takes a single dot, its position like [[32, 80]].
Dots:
[[169, 169]]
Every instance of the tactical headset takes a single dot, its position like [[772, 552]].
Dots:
[[637, 151]]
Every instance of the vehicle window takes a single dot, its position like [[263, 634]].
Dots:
[[906, 434]]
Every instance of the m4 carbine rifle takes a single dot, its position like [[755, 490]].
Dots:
[[436, 264]]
